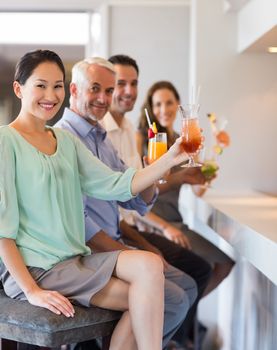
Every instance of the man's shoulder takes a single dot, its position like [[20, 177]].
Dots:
[[128, 123], [108, 123], [65, 125]]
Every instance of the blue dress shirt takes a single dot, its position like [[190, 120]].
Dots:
[[100, 214]]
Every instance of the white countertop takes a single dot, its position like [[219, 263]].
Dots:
[[248, 223], [256, 210]]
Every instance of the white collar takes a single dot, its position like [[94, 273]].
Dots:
[[109, 124]]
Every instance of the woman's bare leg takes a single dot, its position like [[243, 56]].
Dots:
[[123, 336], [115, 296], [142, 295], [146, 296]]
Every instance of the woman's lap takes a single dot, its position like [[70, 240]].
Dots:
[[78, 278]]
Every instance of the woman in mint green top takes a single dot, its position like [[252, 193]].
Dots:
[[54, 178], [43, 173]]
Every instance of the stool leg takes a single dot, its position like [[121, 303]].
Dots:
[[6, 344], [196, 333], [106, 342]]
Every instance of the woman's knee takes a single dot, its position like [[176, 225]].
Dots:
[[138, 264], [150, 265]]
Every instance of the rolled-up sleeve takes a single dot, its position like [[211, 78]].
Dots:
[[139, 204], [9, 217]]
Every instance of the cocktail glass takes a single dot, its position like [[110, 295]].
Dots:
[[157, 146], [191, 133]]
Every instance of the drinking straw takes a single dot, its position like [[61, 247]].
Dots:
[[192, 96], [148, 118], [198, 95]]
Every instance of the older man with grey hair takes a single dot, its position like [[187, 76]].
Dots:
[[91, 92]]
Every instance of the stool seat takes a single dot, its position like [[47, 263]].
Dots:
[[20, 321]]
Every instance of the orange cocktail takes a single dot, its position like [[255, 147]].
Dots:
[[157, 146], [191, 135]]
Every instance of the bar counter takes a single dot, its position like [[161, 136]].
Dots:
[[243, 309], [244, 225]]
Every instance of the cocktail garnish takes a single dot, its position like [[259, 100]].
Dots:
[[154, 128], [151, 134]]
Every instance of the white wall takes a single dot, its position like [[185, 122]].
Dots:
[[239, 87], [157, 36], [264, 13], [243, 88]]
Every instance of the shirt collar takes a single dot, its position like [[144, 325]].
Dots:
[[81, 125], [109, 124]]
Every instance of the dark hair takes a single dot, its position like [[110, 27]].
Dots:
[[124, 60], [148, 103], [28, 63]]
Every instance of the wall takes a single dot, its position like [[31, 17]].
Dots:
[[265, 14], [243, 89], [157, 36]]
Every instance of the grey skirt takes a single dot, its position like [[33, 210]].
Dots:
[[78, 278]]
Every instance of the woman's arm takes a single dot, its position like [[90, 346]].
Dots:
[[147, 176], [14, 263]]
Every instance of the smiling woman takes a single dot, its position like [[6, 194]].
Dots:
[[44, 172], [42, 239]]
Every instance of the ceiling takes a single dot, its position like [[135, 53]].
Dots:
[[265, 41], [50, 5], [9, 54]]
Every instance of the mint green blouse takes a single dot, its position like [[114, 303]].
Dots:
[[41, 204]]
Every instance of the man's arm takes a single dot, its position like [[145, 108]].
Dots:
[[148, 194], [102, 242], [138, 241], [132, 235], [166, 229]]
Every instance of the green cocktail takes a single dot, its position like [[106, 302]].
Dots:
[[209, 168]]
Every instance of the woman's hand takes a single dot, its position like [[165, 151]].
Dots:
[[176, 151], [176, 236], [52, 301]]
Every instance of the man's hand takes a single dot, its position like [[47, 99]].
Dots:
[[176, 236], [192, 176]]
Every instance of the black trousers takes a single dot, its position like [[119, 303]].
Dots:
[[188, 262]]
